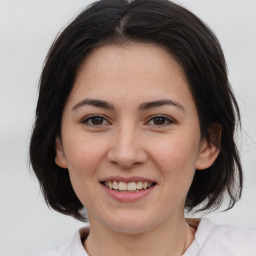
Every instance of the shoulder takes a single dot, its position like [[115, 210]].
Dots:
[[224, 240], [69, 248], [57, 250]]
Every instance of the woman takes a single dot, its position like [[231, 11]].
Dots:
[[135, 123]]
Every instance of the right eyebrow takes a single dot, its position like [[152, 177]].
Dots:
[[95, 103], [159, 103]]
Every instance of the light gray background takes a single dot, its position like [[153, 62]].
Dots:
[[27, 29]]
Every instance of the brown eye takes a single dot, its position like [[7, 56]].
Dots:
[[95, 121], [160, 121]]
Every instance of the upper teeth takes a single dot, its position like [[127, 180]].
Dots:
[[131, 186]]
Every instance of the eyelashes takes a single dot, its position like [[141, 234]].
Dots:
[[101, 121], [95, 120], [160, 120]]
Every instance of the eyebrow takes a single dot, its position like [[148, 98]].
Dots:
[[159, 103], [143, 106], [95, 103]]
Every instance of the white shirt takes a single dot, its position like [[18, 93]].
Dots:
[[210, 240]]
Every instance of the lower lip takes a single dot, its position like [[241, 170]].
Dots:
[[127, 196]]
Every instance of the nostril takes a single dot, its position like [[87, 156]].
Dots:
[[122, 158], [126, 157]]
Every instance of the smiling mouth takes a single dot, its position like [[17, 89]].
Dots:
[[130, 187]]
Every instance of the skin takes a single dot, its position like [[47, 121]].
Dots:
[[128, 140]]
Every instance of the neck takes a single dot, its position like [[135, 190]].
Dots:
[[170, 239]]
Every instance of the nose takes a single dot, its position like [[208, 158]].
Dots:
[[126, 149]]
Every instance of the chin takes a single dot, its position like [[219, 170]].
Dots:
[[130, 228], [130, 223]]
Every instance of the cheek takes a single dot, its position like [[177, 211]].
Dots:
[[175, 152], [83, 159], [82, 155], [176, 159]]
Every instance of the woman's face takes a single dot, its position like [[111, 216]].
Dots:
[[130, 137]]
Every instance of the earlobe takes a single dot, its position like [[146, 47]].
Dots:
[[60, 158], [209, 150]]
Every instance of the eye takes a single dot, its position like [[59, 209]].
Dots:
[[95, 120], [160, 121]]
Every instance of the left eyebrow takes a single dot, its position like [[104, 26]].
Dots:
[[159, 103], [95, 103]]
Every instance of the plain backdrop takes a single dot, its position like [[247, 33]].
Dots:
[[27, 29]]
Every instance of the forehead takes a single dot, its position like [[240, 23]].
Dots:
[[133, 57], [129, 70]]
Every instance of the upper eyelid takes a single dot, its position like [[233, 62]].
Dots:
[[94, 115], [165, 116], [88, 117]]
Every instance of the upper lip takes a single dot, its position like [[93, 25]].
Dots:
[[126, 179]]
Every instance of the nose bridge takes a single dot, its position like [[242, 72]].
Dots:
[[125, 141], [126, 133], [125, 147]]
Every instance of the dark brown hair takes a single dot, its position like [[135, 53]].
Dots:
[[197, 50]]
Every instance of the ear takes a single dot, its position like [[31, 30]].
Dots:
[[60, 158], [209, 150]]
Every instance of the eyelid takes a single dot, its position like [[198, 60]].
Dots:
[[167, 118], [85, 119]]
